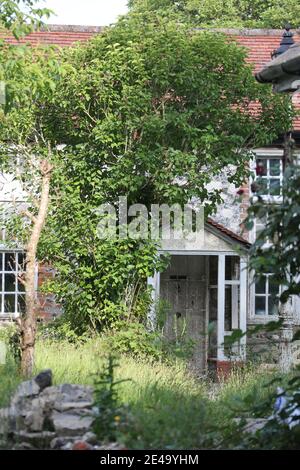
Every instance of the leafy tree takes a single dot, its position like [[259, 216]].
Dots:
[[135, 112], [139, 115], [29, 75], [21, 16], [25, 76], [228, 13]]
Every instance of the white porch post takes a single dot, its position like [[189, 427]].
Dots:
[[243, 305], [154, 282], [221, 307]]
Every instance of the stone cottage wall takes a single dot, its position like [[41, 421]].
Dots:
[[233, 211]]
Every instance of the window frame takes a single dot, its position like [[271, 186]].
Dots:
[[266, 295], [274, 153], [17, 292]]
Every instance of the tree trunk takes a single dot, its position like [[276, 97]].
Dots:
[[28, 321]]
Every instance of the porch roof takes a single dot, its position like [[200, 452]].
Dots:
[[228, 233]]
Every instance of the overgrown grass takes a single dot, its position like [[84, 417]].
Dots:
[[170, 408], [9, 379]]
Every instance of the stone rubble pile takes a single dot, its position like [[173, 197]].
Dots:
[[43, 416]]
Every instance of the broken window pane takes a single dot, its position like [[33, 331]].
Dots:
[[261, 167], [213, 319], [228, 308], [232, 268], [232, 307], [213, 270], [10, 283], [275, 187], [273, 287], [10, 261], [262, 186], [275, 167], [273, 306], [260, 286], [21, 261], [9, 303], [260, 306]]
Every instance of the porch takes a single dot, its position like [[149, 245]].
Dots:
[[203, 296]]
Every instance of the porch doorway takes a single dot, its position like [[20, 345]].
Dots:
[[205, 299], [184, 289]]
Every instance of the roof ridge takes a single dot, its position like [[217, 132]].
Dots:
[[234, 31], [69, 28]]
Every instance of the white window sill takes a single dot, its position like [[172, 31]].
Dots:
[[8, 316], [262, 319]]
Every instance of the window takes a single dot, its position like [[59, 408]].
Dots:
[[269, 172], [268, 179], [266, 296], [232, 292], [11, 289]]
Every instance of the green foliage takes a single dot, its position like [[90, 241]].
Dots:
[[21, 16], [60, 329], [9, 373], [281, 431], [112, 418], [229, 13], [134, 339], [10, 335], [256, 352], [138, 112], [140, 121], [168, 408], [31, 76]]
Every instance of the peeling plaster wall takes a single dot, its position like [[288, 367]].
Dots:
[[231, 213]]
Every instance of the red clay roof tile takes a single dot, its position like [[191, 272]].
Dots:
[[229, 233], [259, 43]]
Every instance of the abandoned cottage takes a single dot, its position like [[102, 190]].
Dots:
[[204, 284]]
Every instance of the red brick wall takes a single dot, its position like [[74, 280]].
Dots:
[[47, 306]]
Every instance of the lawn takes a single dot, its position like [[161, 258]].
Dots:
[[169, 407]]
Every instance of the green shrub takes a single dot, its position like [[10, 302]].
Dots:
[[135, 339], [10, 335], [282, 407], [9, 379], [60, 329], [112, 417]]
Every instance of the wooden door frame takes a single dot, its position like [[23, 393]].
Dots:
[[154, 282]]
